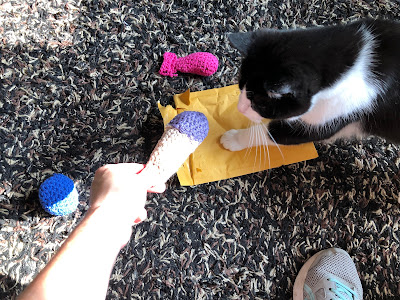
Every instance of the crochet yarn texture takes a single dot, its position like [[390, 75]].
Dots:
[[192, 123], [58, 195], [199, 63], [182, 135]]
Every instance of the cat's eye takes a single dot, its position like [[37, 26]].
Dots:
[[249, 95]]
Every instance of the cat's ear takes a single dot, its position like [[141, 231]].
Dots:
[[241, 40]]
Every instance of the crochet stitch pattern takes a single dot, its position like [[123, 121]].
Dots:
[[192, 123], [58, 195], [199, 63], [182, 135]]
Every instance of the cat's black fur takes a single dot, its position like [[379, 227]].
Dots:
[[311, 60]]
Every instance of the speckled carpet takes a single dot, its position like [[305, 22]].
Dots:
[[79, 85]]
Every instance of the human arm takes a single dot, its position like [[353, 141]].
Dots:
[[82, 266]]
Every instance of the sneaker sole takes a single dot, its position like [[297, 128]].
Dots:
[[301, 277]]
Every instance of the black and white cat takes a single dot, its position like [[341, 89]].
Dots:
[[319, 83]]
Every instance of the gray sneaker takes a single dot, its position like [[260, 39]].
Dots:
[[328, 274]]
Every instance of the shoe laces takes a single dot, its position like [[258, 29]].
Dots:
[[342, 292]]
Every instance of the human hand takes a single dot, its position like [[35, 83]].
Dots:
[[117, 198], [118, 194]]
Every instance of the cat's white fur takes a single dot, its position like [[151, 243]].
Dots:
[[354, 93]]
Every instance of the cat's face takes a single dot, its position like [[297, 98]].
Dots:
[[275, 82]]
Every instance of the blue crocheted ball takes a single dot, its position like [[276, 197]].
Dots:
[[192, 123], [58, 195]]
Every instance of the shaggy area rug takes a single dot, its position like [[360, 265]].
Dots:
[[79, 85]]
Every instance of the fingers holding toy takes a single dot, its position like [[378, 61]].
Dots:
[[109, 178], [120, 191], [158, 189]]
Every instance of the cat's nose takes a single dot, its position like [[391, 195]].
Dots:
[[242, 107]]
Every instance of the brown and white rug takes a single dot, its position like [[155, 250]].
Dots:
[[79, 85]]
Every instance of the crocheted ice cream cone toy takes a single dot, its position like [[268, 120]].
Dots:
[[199, 63], [182, 135]]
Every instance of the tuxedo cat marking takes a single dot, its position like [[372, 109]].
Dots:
[[319, 83]]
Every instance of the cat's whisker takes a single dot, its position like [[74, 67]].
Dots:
[[262, 140], [252, 137], [272, 138], [265, 140], [246, 154], [277, 145], [260, 144], [256, 146], [249, 144]]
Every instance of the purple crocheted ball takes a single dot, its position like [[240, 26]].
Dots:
[[192, 123]]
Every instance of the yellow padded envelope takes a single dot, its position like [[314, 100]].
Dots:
[[211, 161]]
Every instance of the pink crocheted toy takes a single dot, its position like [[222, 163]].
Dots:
[[200, 63]]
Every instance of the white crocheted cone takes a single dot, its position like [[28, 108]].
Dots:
[[181, 138]]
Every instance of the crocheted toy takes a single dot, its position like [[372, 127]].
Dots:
[[58, 195], [200, 63], [182, 135]]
